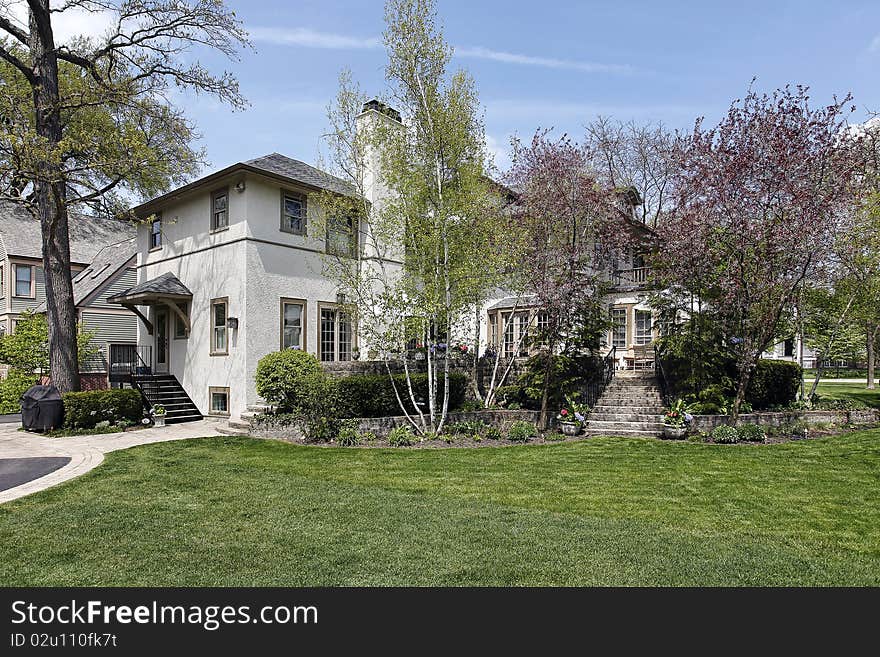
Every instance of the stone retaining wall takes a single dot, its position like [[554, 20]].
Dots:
[[776, 419], [382, 425]]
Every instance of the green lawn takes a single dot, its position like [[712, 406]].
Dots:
[[237, 511], [833, 389]]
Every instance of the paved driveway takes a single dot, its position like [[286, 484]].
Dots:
[[15, 472], [81, 453]]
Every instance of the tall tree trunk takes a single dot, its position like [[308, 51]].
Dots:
[[871, 334], [50, 195], [745, 376]]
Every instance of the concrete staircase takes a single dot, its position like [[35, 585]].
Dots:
[[631, 405], [165, 390]]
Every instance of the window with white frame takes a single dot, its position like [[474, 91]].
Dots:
[[220, 209], [24, 281], [522, 325], [293, 213], [218, 401], [618, 327], [643, 327], [156, 232], [335, 335], [219, 332], [292, 323]]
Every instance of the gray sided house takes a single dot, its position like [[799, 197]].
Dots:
[[103, 257]]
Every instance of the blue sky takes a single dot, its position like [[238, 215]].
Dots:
[[548, 64]]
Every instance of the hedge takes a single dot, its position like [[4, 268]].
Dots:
[[774, 383], [372, 395], [12, 387], [83, 410]]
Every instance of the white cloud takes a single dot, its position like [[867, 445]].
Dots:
[[67, 24], [544, 62], [875, 44], [308, 38], [301, 36], [499, 152]]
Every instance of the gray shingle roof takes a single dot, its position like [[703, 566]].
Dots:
[[166, 284], [21, 235], [282, 165], [106, 264]]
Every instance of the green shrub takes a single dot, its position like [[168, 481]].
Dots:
[[372, 395], [725, 434], [774, 383], [510, 396], [751, 433], [705, 408], [284, 376], [12, 387], [319, 429], [467, 427], [492, 433], [846, 404], [348, 435], [85, 410], [568, 375], [521, 431], [367, 437], [554, 437], [401, 437]]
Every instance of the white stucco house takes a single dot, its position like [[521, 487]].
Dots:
[[229, 268]]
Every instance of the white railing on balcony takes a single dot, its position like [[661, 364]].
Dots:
[[637, 276]]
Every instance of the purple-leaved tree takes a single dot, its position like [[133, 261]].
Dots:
[[758, 204]]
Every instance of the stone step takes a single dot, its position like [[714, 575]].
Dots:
[[623, 432], [626, 417], [640, 388], [650, 395], [655, 426], [653, 403], [642, 410]]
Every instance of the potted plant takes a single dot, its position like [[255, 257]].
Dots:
[[571, 417], [676, 420], [159, 415]]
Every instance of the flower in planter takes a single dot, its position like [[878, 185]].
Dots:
[[573, 412], [677, 415]]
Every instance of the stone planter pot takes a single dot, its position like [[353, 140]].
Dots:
[[570, 428], [674, 432], [159, 420]]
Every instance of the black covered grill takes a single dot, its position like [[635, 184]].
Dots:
[[41, 409]]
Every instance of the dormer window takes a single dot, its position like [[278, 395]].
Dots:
[[220, 209], [293, 213]]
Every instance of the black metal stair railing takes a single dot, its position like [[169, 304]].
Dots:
[[660, 374], [131, 364], [593, 390]]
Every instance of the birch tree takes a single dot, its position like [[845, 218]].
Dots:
[[426, 248]]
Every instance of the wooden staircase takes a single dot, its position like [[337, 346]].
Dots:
[[630, 405], [165, 390]]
